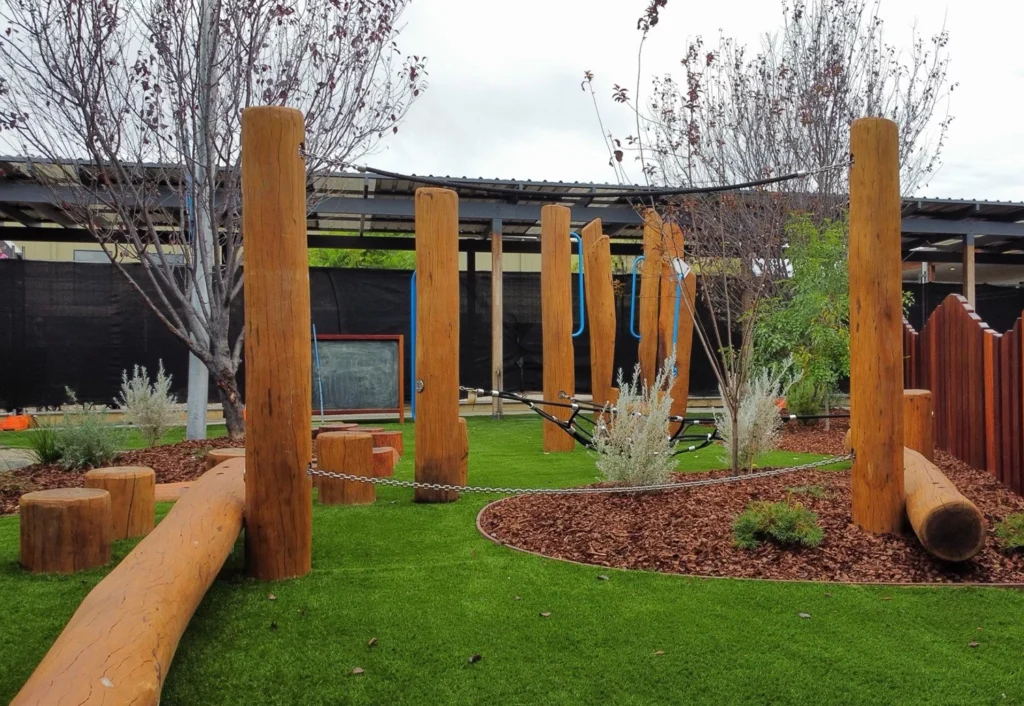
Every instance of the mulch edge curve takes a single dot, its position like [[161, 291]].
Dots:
[[880, 584]]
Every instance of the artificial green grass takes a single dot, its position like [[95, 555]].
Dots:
[[132, 438], [421, 580]]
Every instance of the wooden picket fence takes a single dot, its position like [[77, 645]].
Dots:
[[975, 376]]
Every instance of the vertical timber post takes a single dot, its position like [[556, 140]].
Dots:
[[876, 341], [438, 441], [650, 283], [278, 356], [556, 319], [969, 275], [918, 427], [600, 294], [497, 320]]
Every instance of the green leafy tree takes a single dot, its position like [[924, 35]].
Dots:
[[809, 319], [361, 258], [368, 259]]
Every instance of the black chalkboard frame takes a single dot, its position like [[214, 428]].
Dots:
[[399, 339]]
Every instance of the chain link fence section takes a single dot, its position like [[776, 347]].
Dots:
[[578, 491]]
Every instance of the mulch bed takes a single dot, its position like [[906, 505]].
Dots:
[[690, 531], [172, 463], [813, 438]]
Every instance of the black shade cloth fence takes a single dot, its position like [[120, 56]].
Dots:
[[79, 325]]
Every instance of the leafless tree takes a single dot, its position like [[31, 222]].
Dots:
[[131, 110], [734, 245], [735, 117]]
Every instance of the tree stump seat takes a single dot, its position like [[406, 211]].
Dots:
[[384, 459], [219, 456], [65, 530], [346, 452], [132, 498], [389, 438], [324, 428]]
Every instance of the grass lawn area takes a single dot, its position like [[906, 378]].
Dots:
[[132, 438], [433, 592]]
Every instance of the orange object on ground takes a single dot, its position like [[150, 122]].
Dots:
[[16, 422]]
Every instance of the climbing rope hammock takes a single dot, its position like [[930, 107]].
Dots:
[[582, 421]]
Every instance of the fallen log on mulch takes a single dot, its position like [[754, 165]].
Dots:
[[690, 531]]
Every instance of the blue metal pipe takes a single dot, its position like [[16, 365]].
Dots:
[[579, 244], [675, 324], [632, 301], [412, 341], [319, 380]]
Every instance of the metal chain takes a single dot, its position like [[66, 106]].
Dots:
[[576, 491]]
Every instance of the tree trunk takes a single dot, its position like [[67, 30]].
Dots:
[[231, 401], [735, 436], [828, 411]]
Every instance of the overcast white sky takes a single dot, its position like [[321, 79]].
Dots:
[[505, 100]]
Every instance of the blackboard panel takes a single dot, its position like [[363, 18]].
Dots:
[[359, 373]]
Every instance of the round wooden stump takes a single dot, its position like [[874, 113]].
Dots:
[[65, 530], [218, 456], [324, 428], [132, 498], [384, 462], [345, 452], [367, 430], [389, 438]]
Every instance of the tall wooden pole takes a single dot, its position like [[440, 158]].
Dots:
[[876, 341], [650, 294], [600, 295], [918, 428], [969, 275], [278, 367], [438, 439], [497, 320], [556, 319]]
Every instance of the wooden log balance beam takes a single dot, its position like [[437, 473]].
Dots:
[[948, 525], [118, 646]]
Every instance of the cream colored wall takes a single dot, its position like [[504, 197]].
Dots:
[[64, 252], [60, 252], [510, 262]]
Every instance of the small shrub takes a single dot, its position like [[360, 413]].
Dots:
[[632, 442], [148, 406], [758, 419], [780, 523], [803, 398], [813, 491], [43, 443], [1011, 531], [84, 438]]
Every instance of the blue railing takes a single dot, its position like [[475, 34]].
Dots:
[[632, 301], [319, 380], [412, 343], [579, 245]]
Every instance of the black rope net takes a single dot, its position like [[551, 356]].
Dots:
[[584, 419]]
